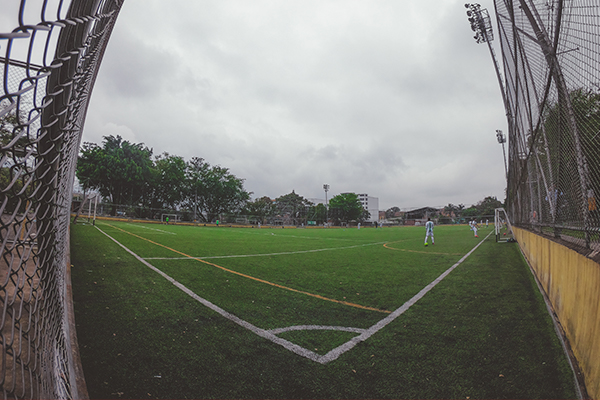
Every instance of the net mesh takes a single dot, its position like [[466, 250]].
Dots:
[[49, 59], [551, 57]]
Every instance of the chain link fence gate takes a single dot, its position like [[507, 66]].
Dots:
[[551, 59], [49, 58]]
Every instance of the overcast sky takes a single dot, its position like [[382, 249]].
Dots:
[[387, 97]]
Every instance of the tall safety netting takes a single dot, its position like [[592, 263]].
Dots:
[[551, 59], [50, 53]]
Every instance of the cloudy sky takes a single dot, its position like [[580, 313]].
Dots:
[[387, 97]]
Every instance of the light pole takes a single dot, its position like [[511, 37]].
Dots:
[[482, 26], [326, 188], [502, 139]]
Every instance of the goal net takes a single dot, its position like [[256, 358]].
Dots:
[[168, 218], [502, 226]]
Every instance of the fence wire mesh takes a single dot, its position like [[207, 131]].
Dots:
[[49, 60], [551, 57]]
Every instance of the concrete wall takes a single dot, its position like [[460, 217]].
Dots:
[[572, 283]]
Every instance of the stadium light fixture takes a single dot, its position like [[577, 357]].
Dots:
[[502, 139], [326, 188], [482, 26], [480, 23]]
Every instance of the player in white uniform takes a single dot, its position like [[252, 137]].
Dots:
[[474, 227], [429, 231]]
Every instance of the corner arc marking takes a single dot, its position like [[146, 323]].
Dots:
[[277, 331]]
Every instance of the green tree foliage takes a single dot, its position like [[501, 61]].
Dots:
[[126, 174], [454, 209], [488, 205], [292, 208], [554, 145], [346, 207], [16, 171], [391, 212], [213, 190], [260, 208], [169, 181], [118, 169], [317, 213], [586, 104]]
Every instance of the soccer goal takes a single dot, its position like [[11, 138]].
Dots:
[[168, 218], [504, 232]]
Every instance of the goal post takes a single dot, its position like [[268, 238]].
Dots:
[[502, 226], [168, 218]]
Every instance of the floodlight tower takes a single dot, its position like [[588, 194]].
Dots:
[[502, 139], [326, 188], [482, 26]]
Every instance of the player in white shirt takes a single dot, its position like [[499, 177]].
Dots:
[[429, 231], [474, 227]]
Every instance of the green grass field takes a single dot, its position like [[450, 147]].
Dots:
[[309, 313]]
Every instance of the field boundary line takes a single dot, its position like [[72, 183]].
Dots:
[[318, 296], [299, 350]]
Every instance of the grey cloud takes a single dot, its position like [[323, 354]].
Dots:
[[390, 98]]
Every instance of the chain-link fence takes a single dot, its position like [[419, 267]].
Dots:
[[49, 59], [551, 57]]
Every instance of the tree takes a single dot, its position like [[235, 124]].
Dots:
[[470, 212], [260, 208], [196, 170], [346, 207], [293, 208], [568, 155], [317, 213], [16, 169], [119, 170], [170, 182], [391, 212], [214, 190], [488, 206]]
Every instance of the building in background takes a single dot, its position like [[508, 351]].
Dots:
[[371, 204]]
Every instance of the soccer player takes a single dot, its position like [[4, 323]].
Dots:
[[474, 227], [429, 231]]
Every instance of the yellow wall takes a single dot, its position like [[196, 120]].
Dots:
[[572, 283]]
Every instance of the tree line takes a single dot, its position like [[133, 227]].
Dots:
[[128, 174]]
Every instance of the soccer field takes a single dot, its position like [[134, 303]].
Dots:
[[171, 311]]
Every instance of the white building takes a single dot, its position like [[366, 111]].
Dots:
[[371, 204]]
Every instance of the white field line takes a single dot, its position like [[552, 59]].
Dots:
[[271, 334], [152, 229], [316, 328], [266, 254], [338, 351], [267, 233]]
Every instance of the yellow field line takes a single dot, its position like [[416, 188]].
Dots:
[[419, 251], [346, 303]]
